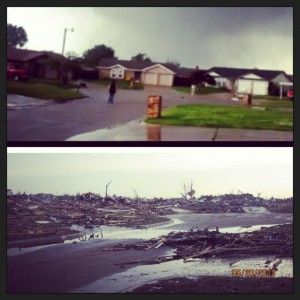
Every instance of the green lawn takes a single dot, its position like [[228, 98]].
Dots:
[[121, 84], [274, 103], [41, 91], [201, 90], [225, 117], [54, 82], [266, 97]]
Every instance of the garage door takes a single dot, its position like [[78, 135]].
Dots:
[[165, 79], [260, 87], [150, 78], [252, 86], [244, 86]]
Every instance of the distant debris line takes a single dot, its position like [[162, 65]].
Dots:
[[38, 215]]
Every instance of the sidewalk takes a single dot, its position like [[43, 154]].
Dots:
[[18, 101], [139, 131]]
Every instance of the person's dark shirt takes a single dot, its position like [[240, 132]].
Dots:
[[112, 88]]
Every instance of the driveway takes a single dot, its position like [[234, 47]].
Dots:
[[52, 121]]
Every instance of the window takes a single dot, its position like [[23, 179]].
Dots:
[[120, 73], [117, 73], [113, 73]]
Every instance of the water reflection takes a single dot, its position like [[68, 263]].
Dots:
[[153, 133]]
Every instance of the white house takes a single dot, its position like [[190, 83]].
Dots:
[[252, 81], [149, 73]]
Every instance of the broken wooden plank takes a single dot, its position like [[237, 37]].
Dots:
[[205, 251], [162, 241]]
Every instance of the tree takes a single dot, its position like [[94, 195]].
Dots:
[[188, 190], [136, 196], [198, 78], [93, 56], [106, 187], [71, 55], [73, 62], [141, 57], [173, 62], [16, 36]]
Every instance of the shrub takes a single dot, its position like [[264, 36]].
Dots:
[[138, 86]]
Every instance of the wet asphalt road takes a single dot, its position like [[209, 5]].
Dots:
[[52, 121]]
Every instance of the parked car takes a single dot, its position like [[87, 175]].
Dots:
[[15, 73], [290, 94]]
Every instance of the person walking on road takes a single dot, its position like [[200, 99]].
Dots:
[[112, 89]]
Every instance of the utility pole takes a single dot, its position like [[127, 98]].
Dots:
[[64, 40]]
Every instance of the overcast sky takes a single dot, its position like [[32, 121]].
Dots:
[[153, 172], [248, 37]]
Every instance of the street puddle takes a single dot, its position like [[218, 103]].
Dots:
[[137, 276]]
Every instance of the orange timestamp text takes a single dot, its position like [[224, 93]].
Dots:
[[253, 272]]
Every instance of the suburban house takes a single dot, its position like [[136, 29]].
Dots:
[[252, 81], [39, 64], [149, 73]]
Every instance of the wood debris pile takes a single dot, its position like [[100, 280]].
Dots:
[[276, 240]]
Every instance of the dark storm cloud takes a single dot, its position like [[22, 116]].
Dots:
[[247, 37], [237, 37], [223, 19], [240, 19]]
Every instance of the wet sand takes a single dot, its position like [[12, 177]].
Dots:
[[66, 267]]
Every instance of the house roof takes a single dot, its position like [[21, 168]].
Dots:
[[24, 55], [21, 54], [186, 72], [141, 65], [267, 74], [229, 72], [128, 64], [133, 65], [237, 72]]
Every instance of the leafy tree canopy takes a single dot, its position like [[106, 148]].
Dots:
[[141, 57], [73, 56], [173, 62], [73, 61], [16, 36], [93, 56]]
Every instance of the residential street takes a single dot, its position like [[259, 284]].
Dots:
[[93, 119]]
